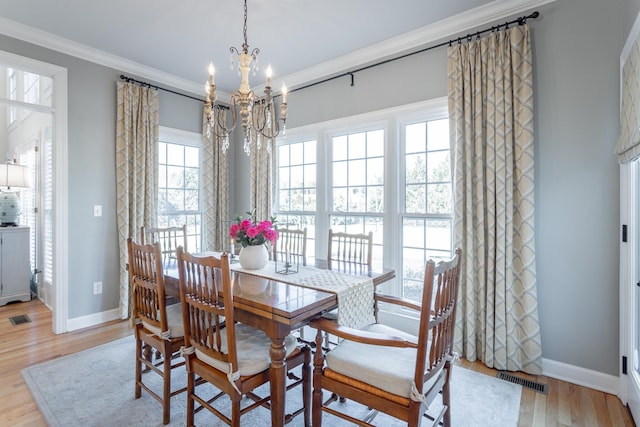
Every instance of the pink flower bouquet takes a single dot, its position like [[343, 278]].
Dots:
[[249, 232]]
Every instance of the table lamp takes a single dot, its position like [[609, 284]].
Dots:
[[12, 176]]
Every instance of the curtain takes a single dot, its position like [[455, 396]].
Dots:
[[215, 188], [137, 126], [262, 176], [490, 84], [628, 145]]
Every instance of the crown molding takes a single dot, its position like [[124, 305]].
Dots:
[[446, 28], [473, 18], [79, 50]]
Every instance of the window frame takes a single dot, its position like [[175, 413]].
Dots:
[[363, 126], [391, 121], [190, 139], [433, 113], [287, 213]]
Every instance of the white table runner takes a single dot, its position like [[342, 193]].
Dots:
[[354, 293]]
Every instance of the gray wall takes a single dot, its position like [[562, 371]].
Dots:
[[630, 9], [577, 45]]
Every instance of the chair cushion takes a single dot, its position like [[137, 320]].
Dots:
[[174, 321], [253, 347], [389, 368]]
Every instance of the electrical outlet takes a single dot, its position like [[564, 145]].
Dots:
[[97, 210], [97, 288]]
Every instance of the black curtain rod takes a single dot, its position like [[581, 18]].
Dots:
[[147, 84], [141, 83], [520, 21]]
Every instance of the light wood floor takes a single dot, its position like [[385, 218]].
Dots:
[[31, 343]]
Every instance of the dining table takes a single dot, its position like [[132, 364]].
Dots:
[[276, 305]]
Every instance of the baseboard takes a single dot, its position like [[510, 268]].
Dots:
[[92, 319], [581, 376]]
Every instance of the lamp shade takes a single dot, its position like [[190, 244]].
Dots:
[[14, 176]]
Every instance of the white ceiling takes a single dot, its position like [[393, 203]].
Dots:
[[302, 39]]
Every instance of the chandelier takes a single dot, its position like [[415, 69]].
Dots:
[[256, 114]]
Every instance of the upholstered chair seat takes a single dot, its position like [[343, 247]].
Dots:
[[174, 321], [253, 347], [388, 368]]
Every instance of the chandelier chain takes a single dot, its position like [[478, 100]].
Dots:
[[245, 46]]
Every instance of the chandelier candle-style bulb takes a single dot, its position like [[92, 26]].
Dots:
[[269, 74], [212, 71]]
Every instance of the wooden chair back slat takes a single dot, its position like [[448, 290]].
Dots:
[[350, 253], [292, 241]]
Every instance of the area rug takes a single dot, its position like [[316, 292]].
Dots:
[[95, 388]]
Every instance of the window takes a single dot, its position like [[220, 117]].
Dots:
[[31, 88], [388, 172], [357, 196], [179, 179], [427, 214], [12, 77], [296, 164], [27, 87]]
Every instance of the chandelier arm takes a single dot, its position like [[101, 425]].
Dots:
[[217, 127], [233, 108], [260, 124]]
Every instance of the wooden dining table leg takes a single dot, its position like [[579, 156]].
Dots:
[[277, 375]]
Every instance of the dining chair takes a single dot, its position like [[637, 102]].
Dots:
[[349, 253], [157, 325], [168, 237], [235, 358], [388, 370], [292, 242]]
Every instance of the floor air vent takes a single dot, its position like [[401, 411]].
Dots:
[[19, 320], [531, 385]]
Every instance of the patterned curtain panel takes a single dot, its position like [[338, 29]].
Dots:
[[491, 124], [215, 188], [262, 176], [628, 145], [137, 124]]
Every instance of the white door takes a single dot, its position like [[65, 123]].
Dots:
[[29, 93], [629, 286]]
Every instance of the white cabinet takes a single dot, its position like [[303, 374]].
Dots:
[[14, 265]]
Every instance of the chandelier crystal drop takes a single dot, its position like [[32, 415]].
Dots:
[[256, 115]]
